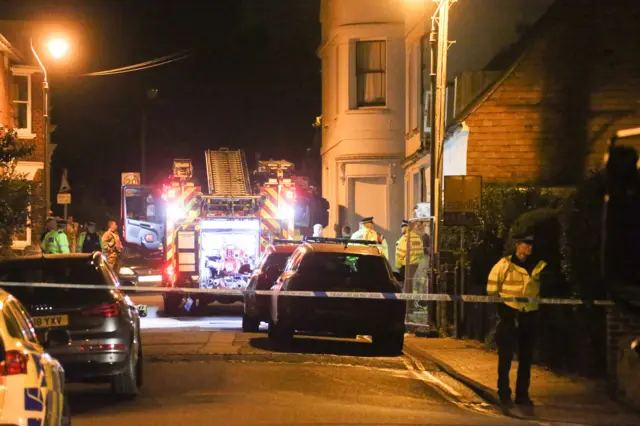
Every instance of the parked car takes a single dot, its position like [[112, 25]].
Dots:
[[273, 262], [140, 268], [31, 381], [325, 267], [94, 333]]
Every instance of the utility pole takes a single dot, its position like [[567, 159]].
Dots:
[[439, 47]]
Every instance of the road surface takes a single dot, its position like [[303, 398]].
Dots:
[[205, 371]]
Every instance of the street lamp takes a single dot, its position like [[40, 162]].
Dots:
[[57, 48]]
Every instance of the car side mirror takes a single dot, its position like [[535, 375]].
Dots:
[[272, 272]]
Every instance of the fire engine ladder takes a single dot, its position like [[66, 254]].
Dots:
[[227, 173]]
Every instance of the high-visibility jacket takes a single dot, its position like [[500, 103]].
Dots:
[[371, 235], [416, 251], [96, 244], [507, 279], [55, 242]]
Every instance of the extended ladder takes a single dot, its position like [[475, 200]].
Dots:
[[227, 173]]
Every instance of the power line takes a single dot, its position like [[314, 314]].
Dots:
[[164, 60]]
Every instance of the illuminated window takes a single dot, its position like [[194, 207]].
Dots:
[[371, 65]]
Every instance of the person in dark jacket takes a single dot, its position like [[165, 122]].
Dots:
[[89, 241]]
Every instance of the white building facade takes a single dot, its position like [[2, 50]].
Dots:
[[363, 113]]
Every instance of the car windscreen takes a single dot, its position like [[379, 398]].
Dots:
[[59, 271], [278, 259], [365, 271]]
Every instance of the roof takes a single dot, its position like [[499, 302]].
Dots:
[[48, 257], [508, 60], [282, 248], [342, 248]]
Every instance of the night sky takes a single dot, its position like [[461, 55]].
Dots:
[[252, 82]]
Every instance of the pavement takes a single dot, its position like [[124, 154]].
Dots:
[[206, 371], [558, 398]]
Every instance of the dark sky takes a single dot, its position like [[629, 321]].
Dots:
[[252, 82]]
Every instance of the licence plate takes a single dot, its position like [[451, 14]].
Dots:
[[150, 278], [51, 321]]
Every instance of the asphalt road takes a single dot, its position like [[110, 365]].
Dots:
[[205, 371]]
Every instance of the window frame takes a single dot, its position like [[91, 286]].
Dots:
[[24, 71], [361, 72]]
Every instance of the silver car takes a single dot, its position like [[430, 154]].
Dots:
[[94, 333]]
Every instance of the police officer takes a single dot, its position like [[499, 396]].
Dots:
[[89, 241], [56, 242], [111, 243], [517, 275], [367, 233], [50, 224], [416, 253]]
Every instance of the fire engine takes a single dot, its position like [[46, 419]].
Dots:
[[214, 239]]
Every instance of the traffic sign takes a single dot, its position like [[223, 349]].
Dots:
[[130, 178], [462, 198], [64, 198]]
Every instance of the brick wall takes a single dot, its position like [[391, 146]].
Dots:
[[623, 364], [575, 85]]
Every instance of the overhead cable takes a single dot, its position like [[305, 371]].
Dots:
[[164, 60]]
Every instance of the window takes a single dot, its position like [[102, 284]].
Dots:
[[24, 321], [371, 64], [21, 102]]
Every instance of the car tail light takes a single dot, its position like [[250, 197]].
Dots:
[[102, 348], [15, 363], [108, 311]]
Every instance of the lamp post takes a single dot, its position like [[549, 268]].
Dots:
[[58, 48]]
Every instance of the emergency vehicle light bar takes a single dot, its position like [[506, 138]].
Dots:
[[339, 241]]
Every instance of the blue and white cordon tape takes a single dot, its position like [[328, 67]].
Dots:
[[324, 294]]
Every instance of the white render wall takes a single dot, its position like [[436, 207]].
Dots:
[[362, 148]]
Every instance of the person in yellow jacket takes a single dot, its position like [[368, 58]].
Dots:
[[413, 241], [517, 275], [367, 233], [55, 241]]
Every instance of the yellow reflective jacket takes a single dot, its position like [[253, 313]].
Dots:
[[55, 242], [416, 250], [509, 280], [371, 235]]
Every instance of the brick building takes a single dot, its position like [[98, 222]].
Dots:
[[21, 108], [565, 88]]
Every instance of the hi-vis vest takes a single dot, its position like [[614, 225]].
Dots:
[[371, 235], [509, 280], [416, 251], [55, 242]]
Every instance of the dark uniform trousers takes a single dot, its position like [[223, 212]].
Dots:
[[515, 330]]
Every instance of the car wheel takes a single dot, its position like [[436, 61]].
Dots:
[[66, 412], [172, 305], [389, 343], [125, 384], [280, 333], [250, 324]]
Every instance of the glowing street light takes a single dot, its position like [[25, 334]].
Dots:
[[58, 48]]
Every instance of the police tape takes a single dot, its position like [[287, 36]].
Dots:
[[427, 297]]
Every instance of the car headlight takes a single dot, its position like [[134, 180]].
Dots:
[[126, 271]]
